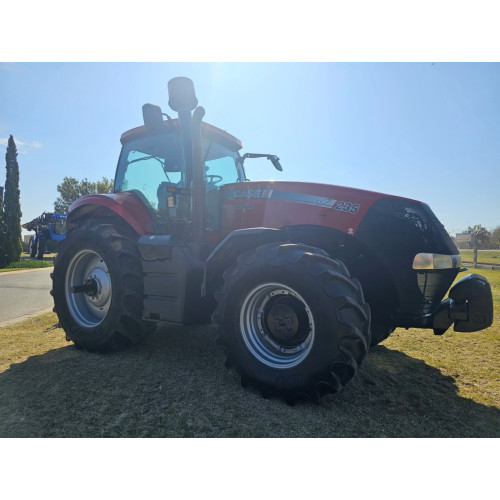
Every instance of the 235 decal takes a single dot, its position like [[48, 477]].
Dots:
[[347, 206]]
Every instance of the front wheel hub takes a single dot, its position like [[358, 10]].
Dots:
[[277, 325], [281, 317]]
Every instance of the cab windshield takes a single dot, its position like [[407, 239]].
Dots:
[[152, 165]]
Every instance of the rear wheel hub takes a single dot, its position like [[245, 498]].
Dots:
[[88, 288]]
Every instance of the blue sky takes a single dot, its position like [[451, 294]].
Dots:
[[421, 130]]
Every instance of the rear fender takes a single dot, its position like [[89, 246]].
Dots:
[[128, 207]]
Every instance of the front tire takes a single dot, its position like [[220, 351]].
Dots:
[[97, 288], [292, 321]]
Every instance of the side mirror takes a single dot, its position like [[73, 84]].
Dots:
[[274, 159], [152, 116], [276, 162]]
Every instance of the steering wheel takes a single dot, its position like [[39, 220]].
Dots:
[[214, 179]]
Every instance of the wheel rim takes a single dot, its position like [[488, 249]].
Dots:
[[90, 308], [277, 325]]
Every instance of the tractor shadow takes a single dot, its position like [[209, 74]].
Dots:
[[175, 385]]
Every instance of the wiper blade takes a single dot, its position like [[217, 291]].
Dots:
[[148, 157]]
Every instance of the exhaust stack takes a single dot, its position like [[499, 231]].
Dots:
[[182, 99]]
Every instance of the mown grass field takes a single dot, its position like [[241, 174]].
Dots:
[[175, 385], [483, 256]]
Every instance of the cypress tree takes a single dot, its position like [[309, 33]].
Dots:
[[2, 244], [11, 221]]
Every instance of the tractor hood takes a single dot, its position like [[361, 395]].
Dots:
[[287, 203]]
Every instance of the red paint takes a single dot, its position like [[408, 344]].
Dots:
[[126, 205], [276, 206]]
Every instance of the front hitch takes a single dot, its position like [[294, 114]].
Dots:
[[469, 307]]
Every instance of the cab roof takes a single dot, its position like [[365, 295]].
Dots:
[[209, 131]]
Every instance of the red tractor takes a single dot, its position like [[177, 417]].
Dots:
[[300, 278]]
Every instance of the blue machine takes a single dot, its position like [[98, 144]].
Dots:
[[49, 226]]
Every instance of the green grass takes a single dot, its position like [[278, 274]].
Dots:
[[27, 263], [483, 256], [175, 384]]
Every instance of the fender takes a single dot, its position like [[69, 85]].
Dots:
[[227, 251], [126, 206]]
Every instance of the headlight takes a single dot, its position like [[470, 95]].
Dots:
[[436, 261]]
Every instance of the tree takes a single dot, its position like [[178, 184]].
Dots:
[[11, 243], [2, 238], [495, 236], [480, 235], [71, 189], [1, 203]]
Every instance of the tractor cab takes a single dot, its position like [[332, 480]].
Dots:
[[152, 165]]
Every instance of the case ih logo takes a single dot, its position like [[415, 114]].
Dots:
[[238, 194]]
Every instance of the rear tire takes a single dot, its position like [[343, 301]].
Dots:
[[292, 321], [108, 316], [32, 248], [40, 247]]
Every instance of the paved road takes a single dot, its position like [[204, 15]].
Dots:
[[24, 294]]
